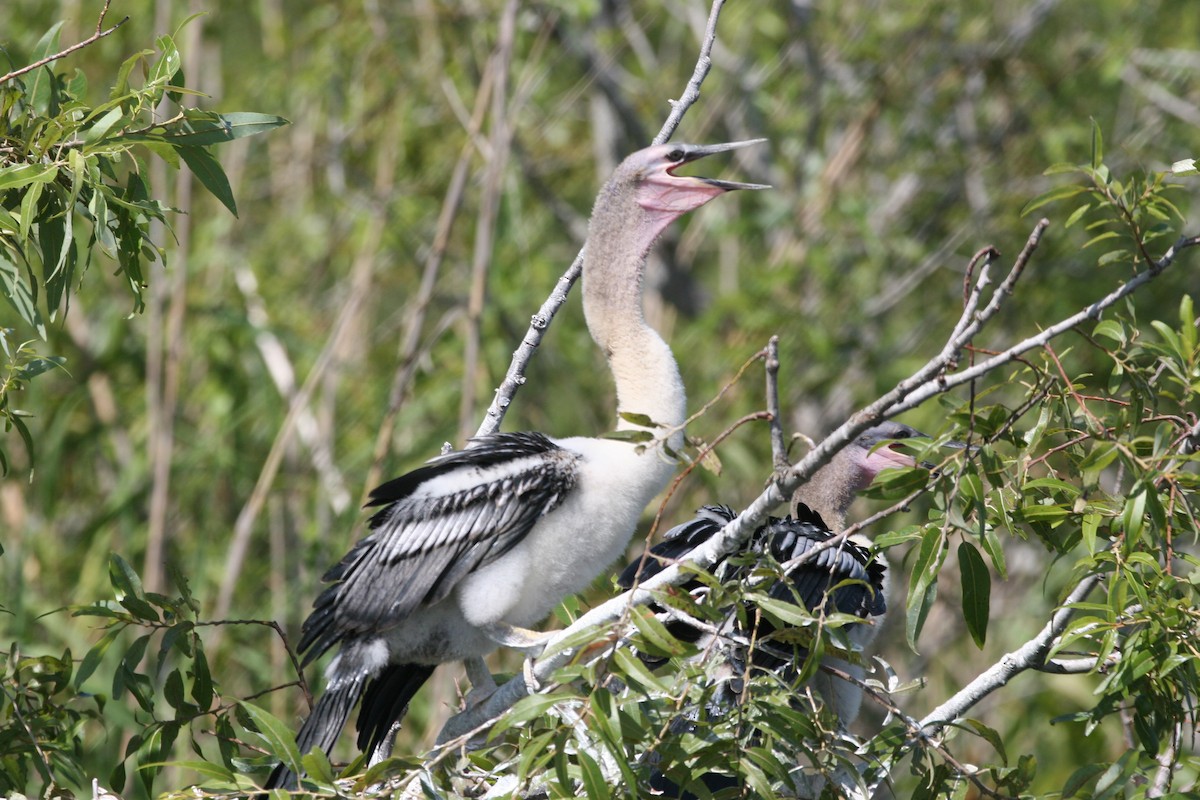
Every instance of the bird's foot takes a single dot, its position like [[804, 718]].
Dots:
[[531, 682], [482, 683], [531, 643]]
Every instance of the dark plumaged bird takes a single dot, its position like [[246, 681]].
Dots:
[[844, 578], [475, 545]]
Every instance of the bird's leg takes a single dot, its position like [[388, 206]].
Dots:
[[482, 684], [531, 643]]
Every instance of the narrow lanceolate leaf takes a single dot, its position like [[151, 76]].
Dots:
[[991, 736], [976, 591], [25, 174], [123, 577], [922, 587], [638, 419], [202, 128], [277, 735], [208, 170], [1057, 193], [655, 635]]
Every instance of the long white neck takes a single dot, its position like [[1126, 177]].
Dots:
[[647, 377]]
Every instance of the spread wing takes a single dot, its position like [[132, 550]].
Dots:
[[438, 524]]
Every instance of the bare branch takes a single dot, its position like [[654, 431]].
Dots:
[[1093, 311], [99, 34], [778, 441], [1028, 656], [499, 149]]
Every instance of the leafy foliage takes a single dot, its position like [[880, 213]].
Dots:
[[65, 162], [902, 139]]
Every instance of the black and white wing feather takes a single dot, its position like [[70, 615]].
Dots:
[[439, 523], [843, 578]]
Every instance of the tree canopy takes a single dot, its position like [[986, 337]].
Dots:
[[216, 342]]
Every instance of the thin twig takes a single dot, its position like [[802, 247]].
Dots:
[[410, 348], [778, 440], [99, 34]]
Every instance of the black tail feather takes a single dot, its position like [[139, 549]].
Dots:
[[323, 725], [385, 702]]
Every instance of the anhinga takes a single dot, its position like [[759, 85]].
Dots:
[[844, 578], [477, 544]]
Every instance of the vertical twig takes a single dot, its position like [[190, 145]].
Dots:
[[778, 441], [360, 284], [165, 390]]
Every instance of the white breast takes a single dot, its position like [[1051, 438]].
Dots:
[[573, 544]]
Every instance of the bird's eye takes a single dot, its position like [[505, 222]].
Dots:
[[675, 155]]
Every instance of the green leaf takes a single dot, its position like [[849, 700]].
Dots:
[[1091, 524], [655, 634], [316, 766], [1097, 146], [1057, 193], [24, 174], [595, 787], [922, 587], [530, 707], [638, 419], [94, 656], [636, 437], [202, 683], [202, 128], [1187, 324], [36, 366], [634, 671], [1110, 329], [167, 64], [781, 611], [1081, 778], [277, 735], [102, 126], [989, 735], [976, 591], [208, 170], [123, 577], [1077, 214], [39, 85], [1100, 238], [216, 772]]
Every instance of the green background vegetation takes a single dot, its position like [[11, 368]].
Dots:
[[903, 137]]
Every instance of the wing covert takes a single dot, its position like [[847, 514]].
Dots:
[[439, 523]]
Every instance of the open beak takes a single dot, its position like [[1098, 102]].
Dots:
[[697, 152]]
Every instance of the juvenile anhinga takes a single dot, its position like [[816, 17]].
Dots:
[[844, 578], [477, 544], [819, 513]]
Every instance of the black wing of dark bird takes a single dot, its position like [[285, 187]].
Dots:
[[429, 536], [848, 566]]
